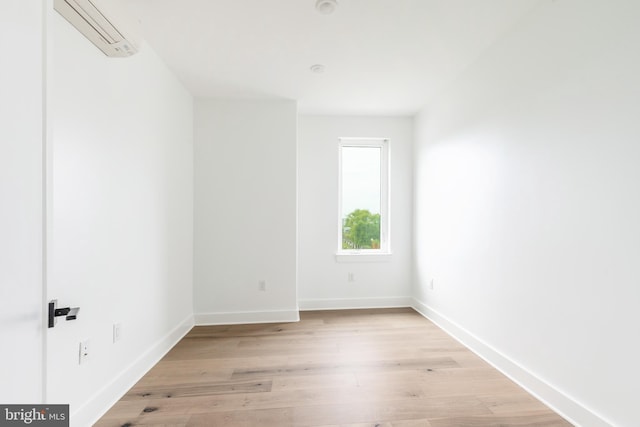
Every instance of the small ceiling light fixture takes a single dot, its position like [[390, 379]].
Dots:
[[317, 68], [326, 7]]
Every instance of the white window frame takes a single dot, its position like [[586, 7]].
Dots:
[[366, 255]]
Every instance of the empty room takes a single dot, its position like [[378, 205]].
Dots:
[[354, 213]]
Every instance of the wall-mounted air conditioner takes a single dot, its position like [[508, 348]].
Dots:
[[92, 20]]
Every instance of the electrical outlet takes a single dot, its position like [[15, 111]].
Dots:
[[351, 277], [83, 352], [117, 332], [262, 285]]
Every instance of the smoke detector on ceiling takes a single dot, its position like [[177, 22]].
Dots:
[[317, 68], [326, 7]]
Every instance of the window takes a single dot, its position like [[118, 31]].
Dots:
[[363, 196]]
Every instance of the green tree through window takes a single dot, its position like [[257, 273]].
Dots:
[[361, 230]]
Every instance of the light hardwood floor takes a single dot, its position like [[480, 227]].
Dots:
[[388, 367]]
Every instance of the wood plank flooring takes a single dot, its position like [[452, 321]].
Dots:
[[357, 368]]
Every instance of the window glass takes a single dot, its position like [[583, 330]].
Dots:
[[363, 193]]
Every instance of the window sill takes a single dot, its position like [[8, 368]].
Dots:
[[363, 257]]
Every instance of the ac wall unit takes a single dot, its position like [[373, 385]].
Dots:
[[92, 20]]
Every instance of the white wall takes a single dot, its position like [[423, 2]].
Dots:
[[528, 207], [121, 217], [322, 281], [245, 211], [21, 211]]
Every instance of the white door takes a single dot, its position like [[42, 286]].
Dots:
[[21, 206]]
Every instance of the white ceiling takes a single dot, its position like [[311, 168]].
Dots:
[[382, 57]]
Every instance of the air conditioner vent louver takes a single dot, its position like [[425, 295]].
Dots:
[[96, 26]]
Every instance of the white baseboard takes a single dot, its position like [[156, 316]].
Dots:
[[106, 397], [351, 303], [566, 406], [246, 317]]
